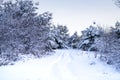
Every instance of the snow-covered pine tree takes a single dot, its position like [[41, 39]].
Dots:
[[74, 41], [108, 46], [114, 51], [103, 44], [60, 37], [51, 39], [116, 29], [88, 37], [22, 30]]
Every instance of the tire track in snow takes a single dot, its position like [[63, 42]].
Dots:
[[60, 67]]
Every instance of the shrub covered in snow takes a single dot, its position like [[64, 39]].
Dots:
[[73, 41], [88, 37], [59, 37], [109, 45], [22, 30]]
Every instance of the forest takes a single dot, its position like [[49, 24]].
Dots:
[[23, 31]]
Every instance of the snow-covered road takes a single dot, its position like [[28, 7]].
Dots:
[[63, 65]]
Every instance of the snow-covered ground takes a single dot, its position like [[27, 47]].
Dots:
[[63, 65]]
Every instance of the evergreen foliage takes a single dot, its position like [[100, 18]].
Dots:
[[22, 30], [73, 41], [60, 37], [88, 37], [108, 46]]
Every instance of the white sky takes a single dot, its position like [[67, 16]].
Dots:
[[79, 14]]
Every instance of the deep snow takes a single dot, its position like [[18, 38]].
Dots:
[[62, 65]]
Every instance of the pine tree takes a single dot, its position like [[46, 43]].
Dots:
[[108, 46], [74, 41], [88, 37], [116, 30], [22, 30], [60, 36]]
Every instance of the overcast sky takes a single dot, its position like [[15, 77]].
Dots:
[[79, 14]]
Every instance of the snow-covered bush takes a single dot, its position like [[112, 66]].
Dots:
[[22, 30], [116, 29], [59, 37], [108, 46], [88, 37], [74, 40]]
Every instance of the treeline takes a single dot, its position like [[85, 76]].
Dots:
[[23, 31]]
